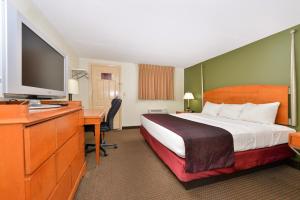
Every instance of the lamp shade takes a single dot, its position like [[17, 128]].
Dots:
[[188, 95], [73, 86]]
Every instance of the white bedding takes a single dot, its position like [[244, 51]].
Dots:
[[246, 135]]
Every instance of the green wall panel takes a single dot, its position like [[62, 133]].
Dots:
[[192, 83], [266, 61]]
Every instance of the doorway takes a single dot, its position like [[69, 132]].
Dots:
[[105, 85]]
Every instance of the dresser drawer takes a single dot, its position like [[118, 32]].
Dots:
[[66, 154], [42, 182], [63, 188], [39, 144], [66, 127]]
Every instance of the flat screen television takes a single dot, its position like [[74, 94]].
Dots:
[[33, 67]]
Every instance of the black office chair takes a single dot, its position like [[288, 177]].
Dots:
[[106, 126]]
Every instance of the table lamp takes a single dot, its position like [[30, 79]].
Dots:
[[73, 88], [188, 96]]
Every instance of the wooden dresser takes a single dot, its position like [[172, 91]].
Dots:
[[42, 152]]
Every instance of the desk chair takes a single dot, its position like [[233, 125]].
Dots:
[[106, 126]]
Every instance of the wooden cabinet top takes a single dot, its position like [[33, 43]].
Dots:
[[20, 114]]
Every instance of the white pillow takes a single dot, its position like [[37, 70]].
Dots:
[[261, 113], [212, 109], [231, 111]]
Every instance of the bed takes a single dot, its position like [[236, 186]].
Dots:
[[255, 145]]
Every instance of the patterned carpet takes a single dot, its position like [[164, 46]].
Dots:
[[133, 172]]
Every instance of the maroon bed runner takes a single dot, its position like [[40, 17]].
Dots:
[[206, 147]]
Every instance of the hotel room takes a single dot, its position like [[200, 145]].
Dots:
[[154, 100]]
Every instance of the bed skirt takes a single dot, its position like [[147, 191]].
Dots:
[[243, 160]]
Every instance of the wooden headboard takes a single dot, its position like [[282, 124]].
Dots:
[[253, 94]]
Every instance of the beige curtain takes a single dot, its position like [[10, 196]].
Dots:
[[156, 82]]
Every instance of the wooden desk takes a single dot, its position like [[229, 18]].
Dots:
[[95, 117]]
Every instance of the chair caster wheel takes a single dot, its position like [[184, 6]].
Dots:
[[115, 147], [105, 154]]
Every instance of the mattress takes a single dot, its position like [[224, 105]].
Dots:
[[246, 135]]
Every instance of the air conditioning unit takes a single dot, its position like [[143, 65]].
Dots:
[[158, 111]]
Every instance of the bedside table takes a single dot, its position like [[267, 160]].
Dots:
[[294, 143]]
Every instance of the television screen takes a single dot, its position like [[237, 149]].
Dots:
[[42, 65]]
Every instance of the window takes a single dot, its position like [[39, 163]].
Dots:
[[156, 82]]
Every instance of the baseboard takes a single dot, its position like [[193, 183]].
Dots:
[[130, 127]]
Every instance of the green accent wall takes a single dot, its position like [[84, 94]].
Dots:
[[266, 61], [192, 83]]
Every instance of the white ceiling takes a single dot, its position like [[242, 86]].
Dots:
[[167, 32]]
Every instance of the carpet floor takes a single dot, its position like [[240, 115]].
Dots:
[[134, 172]]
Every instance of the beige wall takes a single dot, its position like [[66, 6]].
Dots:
[[28, 9], [132, 108]]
